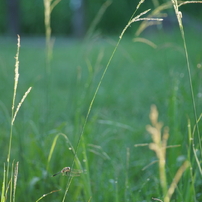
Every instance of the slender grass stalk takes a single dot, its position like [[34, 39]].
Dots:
[[189, 159], [51, 151], [146, 41], [9, 183], [12, 119], [77, 162], [194, 148], [78, 165], [11, 180], [20, 103], [48, 8], [3, 197], [179, 18], [13, 105], [189, 2], [44, 195], [135, 19]]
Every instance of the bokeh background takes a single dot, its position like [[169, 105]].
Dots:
[[74, 17]]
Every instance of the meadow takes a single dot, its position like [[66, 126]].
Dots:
[[114, 150]]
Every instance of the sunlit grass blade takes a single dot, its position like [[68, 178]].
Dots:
[[48, 8], [146, 41], [52, 150], [20, 103], [10, 180], [13, 104], [189, 2]]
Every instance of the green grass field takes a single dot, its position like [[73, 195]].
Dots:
[[138, 76]]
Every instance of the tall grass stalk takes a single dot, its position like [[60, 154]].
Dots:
[[179, 19], [48, 7], [10, 184], [13, 104], [132, 19]]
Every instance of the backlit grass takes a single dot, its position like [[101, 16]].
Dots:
[[138, 77]]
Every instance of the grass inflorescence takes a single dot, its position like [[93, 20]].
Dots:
[[10, 175]]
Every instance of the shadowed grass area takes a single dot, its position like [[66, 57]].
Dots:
[[138, 77]]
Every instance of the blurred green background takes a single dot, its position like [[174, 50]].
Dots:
[[27, 17]]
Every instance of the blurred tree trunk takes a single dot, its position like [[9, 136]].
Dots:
[[78, 18], [13, 27]]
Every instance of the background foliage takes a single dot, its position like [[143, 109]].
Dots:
[[115, 18]]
